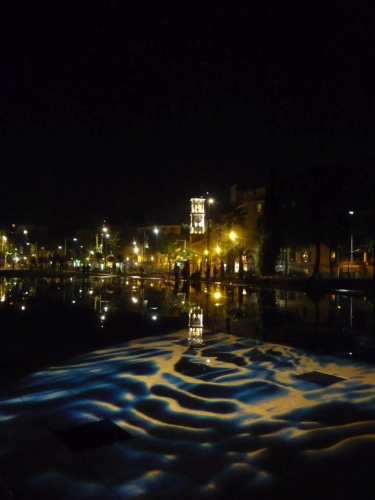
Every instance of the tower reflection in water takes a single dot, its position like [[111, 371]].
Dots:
[[196, 326], [335, 323]]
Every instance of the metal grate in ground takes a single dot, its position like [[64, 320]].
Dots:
[[320, 378], [87, 436]]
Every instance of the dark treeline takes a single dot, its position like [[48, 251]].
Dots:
[[312, 208]]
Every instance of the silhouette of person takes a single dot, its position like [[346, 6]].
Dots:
[[186, 271], [215, 272], [208, 273]]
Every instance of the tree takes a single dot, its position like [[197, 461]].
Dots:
[[233, 219], [362, 189], [166, 245], [322, 204], [114, 242], [269, 226], [98, 257]]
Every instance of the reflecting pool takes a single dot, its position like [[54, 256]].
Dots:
[[45, 319]]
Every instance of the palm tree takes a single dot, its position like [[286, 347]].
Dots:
[[269, 227], [234, 219]]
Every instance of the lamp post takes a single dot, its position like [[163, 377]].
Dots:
[[209, 202], [218, 250], [144, 244], [351, 246], [232, 236], [136, 252], [3, 245], [106, 236], [351, 255], [106, 250], [155, 230]]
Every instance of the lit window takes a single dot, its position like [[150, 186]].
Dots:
[[259, 208]]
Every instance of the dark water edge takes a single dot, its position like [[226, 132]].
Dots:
[[59, 335], [45, 338], [52, 331], [323, 285]]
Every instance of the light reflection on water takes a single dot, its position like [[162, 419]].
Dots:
[[232, 416], [337, 323]]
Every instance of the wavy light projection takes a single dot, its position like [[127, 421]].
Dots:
[[227, 418]]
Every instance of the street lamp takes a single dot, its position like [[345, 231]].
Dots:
[[233, 237], [217, 250], [144, 244], [3, 245], [351, 246], [106, 252], [209, 203], [106, 236], [155, 230]]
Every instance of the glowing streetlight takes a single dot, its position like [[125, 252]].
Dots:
[[155, 230], [106, 236], [106, 252], [351, 246], [232, 235], [209, 203], [3, 245]]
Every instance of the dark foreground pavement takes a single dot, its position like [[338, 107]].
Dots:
[[154, 418]]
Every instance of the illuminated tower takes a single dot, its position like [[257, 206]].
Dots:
[[197, 216]]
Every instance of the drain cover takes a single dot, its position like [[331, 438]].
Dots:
[[320, 378], [91, 435]]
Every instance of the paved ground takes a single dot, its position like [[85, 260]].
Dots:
[[155, 418]]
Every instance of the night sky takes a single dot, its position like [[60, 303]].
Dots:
[[124, 110]]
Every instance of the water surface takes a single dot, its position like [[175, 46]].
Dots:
[[46, 319]]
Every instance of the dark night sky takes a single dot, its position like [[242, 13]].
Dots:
[[124, 110]]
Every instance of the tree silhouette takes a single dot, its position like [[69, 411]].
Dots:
[[269, 226]]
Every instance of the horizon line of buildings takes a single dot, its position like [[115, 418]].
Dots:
[[206, 239]]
